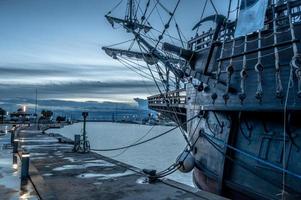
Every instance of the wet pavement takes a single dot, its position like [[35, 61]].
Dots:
[[59, 173], [10, 182]]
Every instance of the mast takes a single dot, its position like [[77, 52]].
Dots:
[[131, 10]]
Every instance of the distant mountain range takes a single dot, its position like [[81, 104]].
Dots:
[[73, 109]]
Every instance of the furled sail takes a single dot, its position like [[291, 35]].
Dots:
[[251, 16]]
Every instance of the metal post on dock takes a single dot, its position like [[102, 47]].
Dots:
[[12, 137], [15, 145], [82, 145], [86, 144], [15, 161], [24, 167], [85, 115], [76, 146]]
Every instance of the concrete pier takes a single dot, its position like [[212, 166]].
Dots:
[[58, 173], [10, 173]]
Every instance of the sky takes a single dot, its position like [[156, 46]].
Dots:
[[55, 46]]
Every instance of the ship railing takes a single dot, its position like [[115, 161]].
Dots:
[[176, 98], [203, 41]]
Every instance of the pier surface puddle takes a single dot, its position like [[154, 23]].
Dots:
[[84, 166], [101, 176]]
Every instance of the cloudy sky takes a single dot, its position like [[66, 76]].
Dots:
[[55, 46]]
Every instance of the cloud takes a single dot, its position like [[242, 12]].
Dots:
[[80, 82], [59, 69], [47, 73], [81, 90]]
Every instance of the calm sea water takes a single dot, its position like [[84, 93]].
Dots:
[[157, 154]]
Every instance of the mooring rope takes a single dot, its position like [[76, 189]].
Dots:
[[148, 140]]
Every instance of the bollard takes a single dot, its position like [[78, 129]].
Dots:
[[15, 161], [16, 145], [85, 142], [12, 137], [24, 166], [76, 143]]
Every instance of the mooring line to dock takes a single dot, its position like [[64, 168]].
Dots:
[[145, 141], [138, 140]]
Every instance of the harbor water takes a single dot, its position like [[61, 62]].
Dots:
[[157, 154]]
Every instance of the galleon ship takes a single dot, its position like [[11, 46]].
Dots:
[[234, 88]]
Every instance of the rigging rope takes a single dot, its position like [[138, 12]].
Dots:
[[129, 66], [145, 11], [167, 24], [151, 72], [164, 8], [138, 8], [215, 10], [167, 32], [289, 86], [265, 55], [179, 34], [175, 166], [138, 140], [121, 43], [146, 19], [145, 141], [177, 119], [241, 163], [167, 35], [180, 30], [207, 137], [141, 46], [202, 15], [114, 7]]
